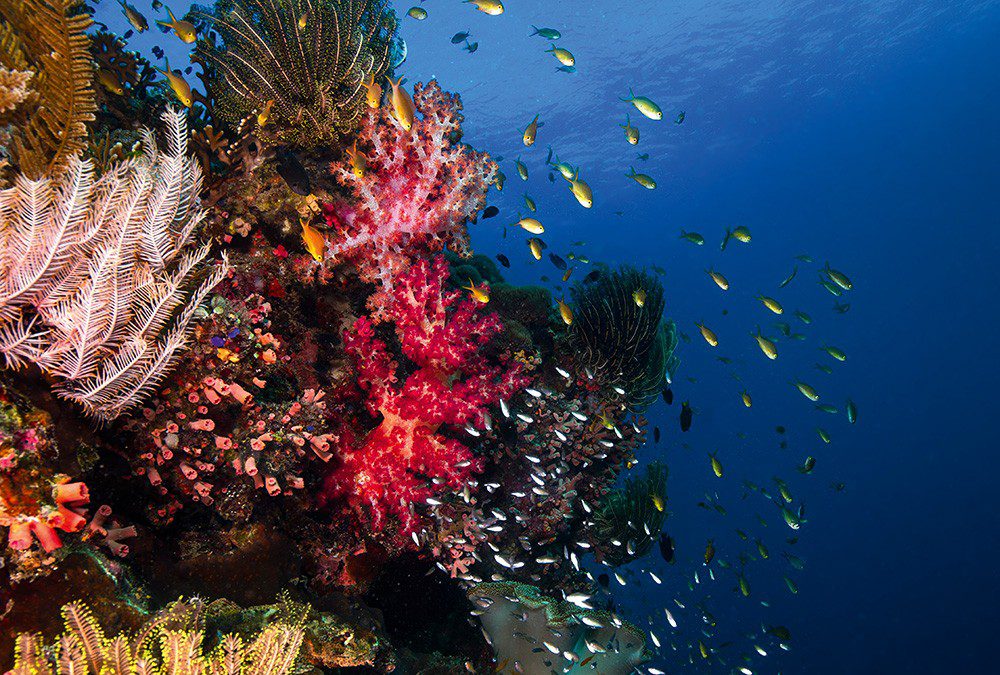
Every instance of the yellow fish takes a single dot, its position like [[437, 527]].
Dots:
[[742, 234], [631, 132], [766, 346], [536, 248], [480, 294], [642, 179], [709, 336], [522, 170], [418, 13], [567, 274], [110, 82], [565, 169], [565, 312], [747, 401], [359, 165], [807, 391], [644, 105], [180, 86], [564, 56], [314, 240], [581, 191], [716, 466], [303, 19], [265, 114], [373, 92], [531, 225], [658, 502], [402, 104], [491, 7], [639, 297], [771, 304], [530, 203], [185, 30], [134, 17], [529, 133], [719, 280]]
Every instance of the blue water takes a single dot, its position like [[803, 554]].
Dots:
[[863, 133]]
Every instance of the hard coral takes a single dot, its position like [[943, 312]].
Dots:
[[406, 459], [414, 197]]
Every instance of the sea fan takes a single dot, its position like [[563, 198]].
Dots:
[[50, 36], [99, 279], [311, 57]]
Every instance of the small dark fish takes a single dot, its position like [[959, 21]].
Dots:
[[686, 416], [157, 5], [656, 434], [471, 48], [842, 308], [552, 177], [780, 429], [129, 33], [567, 69], [604, 580], [460, 37], [490, 212], [667, 547], [643, 156], [668, 396], [680, 118], [187, 71], [294, 174], [558, 262], [780, 632], [503, 260], [592, 277], [789, 278], [545, 278]]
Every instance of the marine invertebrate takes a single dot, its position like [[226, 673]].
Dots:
[[419, 189], [629, 519], [313, 70], [99, 280], [406, 459], [173, 642], [13, 88], [49, 36], [618, 334]]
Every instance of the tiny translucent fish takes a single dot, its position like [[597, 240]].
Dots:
[[644, 105], [709, 335], [719, 280], [771, 304], [807, 391], [490, 7], [531, 225], [418, 13], [693, 237], [564, 56]]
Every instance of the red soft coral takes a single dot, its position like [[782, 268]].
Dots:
[[414, 197], [404, 461]]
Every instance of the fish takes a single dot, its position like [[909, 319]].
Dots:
[[471, 48], [709, 552], [581, 190], [719, 280], [680, 118], [531, 131], [490, 7], [824, 435], [565, 312], [823, 368], [807, 391], [656, 434], [716, 465], [644, 105], [566, 276], [766, 346], [803, 317], [852, 412], [460, 37], [838, 278], [500, 179], [185, 30], [314, 240], [564, 56], [643, 156], [294, 174], [490, 212], [832, 288], [708, 334], [747, 401], [687, 415], [631, 132], [530, 203], [566, 69], [480, 294], [789, 278], [658, 502], [503, 260], [693, 237], [180, 86], [835, 353], [744, 586], [666, 547], [639, 297], [808, 465], [531, 225], [357, 161], [792, 588], [557, 261], [265, 113], [402, 104], [547, 33], [642, 179], [418, 13], [535, 245], [771, 304], [110, 82], [303, 20], [668, 395], [842, 309], [742, 234], [522, 170], [592, 276], [134, 17]]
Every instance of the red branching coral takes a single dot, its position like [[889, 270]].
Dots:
[[405, 460], [412, 195]]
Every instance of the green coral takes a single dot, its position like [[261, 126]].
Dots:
[[622, 343], [630, 518]]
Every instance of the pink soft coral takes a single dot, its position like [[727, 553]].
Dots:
[[418, 190], [404, 461]]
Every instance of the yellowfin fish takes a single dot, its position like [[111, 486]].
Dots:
[[530, 203], [658, 502], [499, 181], [418, 13], [766, 346], [807, 391], [581, 191], [747, 401], [565, 312], [110, 82], [522, 170], [303, 20], [185, 30], [639, 297], [771, 304], [314, 240], [480, 294], [535, 245], [491, 7], [373, 93], [693, 237], [265, 114], [531, 225], [402, 104], [719, 280], [564, 56], [742, 234], [357, 161], [642, 179], [566, 276], [134, 17], [531, 131], [838, 278], [564, 169], [631, 132], [644, 105], [180, 86], [835, 353], [709, 336], [716, 467]]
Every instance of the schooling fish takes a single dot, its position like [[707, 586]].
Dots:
[[180, 86], [458, 38], [185, 30], [110, 82], [471, 48], [707, 333], [789, 278], [771, 304], [134, 17], [557, 261], [265, 113], [716, 465], [709, 552], [565, 312], [766, 346], [522, 170], [835, 353], [357, 161], [491, 7], [402, 104], [531, 225], [581, 190], [693, 237], [530, 203], [373, 92], [666, 547], [719, 280], [480, 294], [503, 260], [747, 401], [668, 395], [852, 412], [639, 297], [490, 212], [631, 132], [687, 414], [314, 240], [547, 33], [644, 105], [535, 245], [564, 56], [418, 13], [680, 118], [529, 133], [642, 179]]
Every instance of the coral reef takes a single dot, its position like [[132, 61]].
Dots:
[[98, 277], [419, 188], [630, 518]]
